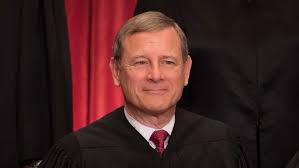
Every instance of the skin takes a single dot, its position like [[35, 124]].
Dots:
[[152, 75]]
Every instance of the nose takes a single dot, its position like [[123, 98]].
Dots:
[[155, 73]]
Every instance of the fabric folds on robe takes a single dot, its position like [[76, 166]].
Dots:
[[294, 163], [196, 141]]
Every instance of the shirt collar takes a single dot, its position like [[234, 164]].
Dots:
[[146, 131]]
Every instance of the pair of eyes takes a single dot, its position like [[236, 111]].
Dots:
[[146, 62]]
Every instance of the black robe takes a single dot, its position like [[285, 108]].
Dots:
[[196, 141], [294, 163]]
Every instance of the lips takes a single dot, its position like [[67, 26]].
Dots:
[[155, 90]]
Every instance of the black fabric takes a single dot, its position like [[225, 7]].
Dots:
[[244, 72], [112, 142], [35, 88], [294, 162]]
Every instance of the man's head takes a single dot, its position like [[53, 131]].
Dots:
[[149, 63], [147, 22]]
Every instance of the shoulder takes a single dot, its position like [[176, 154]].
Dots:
[[203, 128], [203, 137], [68, 150], [102, 123], [65, 153], [103, 132]]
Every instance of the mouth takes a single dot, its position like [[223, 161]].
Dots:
[[155, 91]]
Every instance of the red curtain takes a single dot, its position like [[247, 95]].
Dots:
[[92, 25]]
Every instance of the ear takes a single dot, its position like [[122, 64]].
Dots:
[[188, 65], [114, 67]]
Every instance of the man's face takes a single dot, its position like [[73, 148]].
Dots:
[[152, 73]]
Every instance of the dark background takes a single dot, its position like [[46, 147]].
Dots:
[[35, 85]]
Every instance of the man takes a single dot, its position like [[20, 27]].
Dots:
[[151, 64]]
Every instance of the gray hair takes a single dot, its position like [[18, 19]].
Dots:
[[147, 22]]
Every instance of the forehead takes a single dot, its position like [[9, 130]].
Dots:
[[166, 40]]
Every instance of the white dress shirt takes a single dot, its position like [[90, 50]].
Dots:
[[146, 131]]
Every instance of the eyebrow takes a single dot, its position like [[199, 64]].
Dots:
[[138, 56], [144, 57], [168, 57]]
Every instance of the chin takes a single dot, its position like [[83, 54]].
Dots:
[[156, 109]]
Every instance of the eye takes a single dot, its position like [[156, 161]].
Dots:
[[168, 62], [140, 62]]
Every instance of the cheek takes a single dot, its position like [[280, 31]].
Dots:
[[177, 79], [131, 82]]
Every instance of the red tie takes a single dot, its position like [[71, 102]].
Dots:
[[158, 137]]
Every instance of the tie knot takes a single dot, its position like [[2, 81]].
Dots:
[[158, 138]]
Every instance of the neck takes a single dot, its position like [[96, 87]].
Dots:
[[151, 119]]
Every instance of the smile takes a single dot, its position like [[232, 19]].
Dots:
[[155, 91]]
